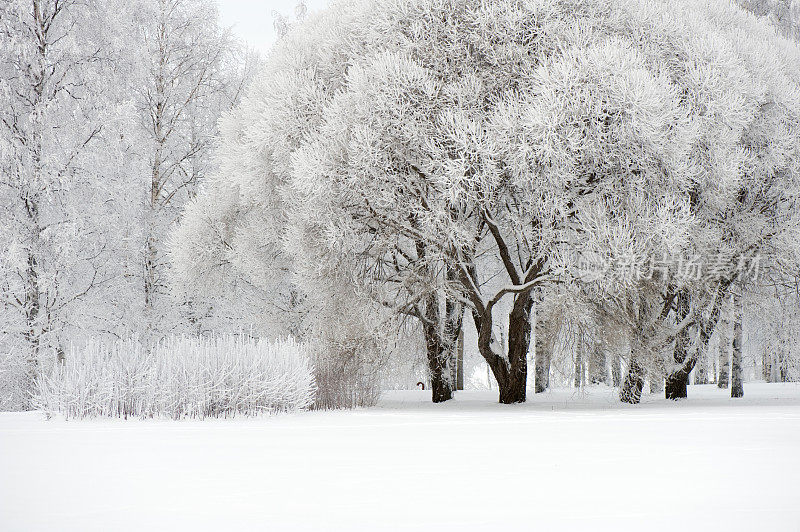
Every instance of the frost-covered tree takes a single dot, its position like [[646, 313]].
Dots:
[[467, 149], [772, 308], [471, 163], [774, 295], [739, 190], [189, 72], [783, 14], [751, 209], [247, 201], [106, 107], [62, 147]]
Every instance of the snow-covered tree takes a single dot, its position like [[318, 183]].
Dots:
[[783, 14], [62, 147], [190, 72], [738, 193], [107, 107], [245, 208], [433, 152]]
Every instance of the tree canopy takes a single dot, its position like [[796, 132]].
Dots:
[[405, 147]]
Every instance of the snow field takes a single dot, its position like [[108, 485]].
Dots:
[[562, 461]]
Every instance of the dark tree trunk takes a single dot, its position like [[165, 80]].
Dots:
[[737, 388], [441, 384], [438, 353], [784, 367], [441, 333], [441, 390], [766, 366], [35, 298], [714, 373], [631, 391], [675, 387], [33, 329], [512, 393], [676, 381], [511, 372], [519, 342]]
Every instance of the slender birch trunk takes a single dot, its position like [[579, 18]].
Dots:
[[542, 354], [737, 388], [616, 370], [724, 346]]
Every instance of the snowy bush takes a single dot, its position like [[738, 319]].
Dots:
[[13, 380], [179, 377], [345, 377]]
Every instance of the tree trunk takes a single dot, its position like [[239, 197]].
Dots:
[[714, 372], [441, 384], [150, 281], [676, 381], [519, 342], [33, 293], [579, 366], [631, 391], [460, 361], [737, 389], [510, 372], [438, 352], [675, 387], [441, 390], [616, 370], [453, 334], [542, 379], [542, 355], [32, 325], [783, 361], [724, 346]]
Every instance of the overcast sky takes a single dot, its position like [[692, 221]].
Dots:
[[251, 20]]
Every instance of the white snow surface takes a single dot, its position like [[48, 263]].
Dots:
[[565, 460]]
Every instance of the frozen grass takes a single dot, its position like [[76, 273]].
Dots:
[[563, 461]]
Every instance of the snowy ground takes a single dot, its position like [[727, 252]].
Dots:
[[561, 461]]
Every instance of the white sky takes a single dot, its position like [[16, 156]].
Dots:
[[251, 20]]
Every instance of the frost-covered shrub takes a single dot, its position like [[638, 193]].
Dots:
[[346, 376], [179, 377], [13, 382]]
